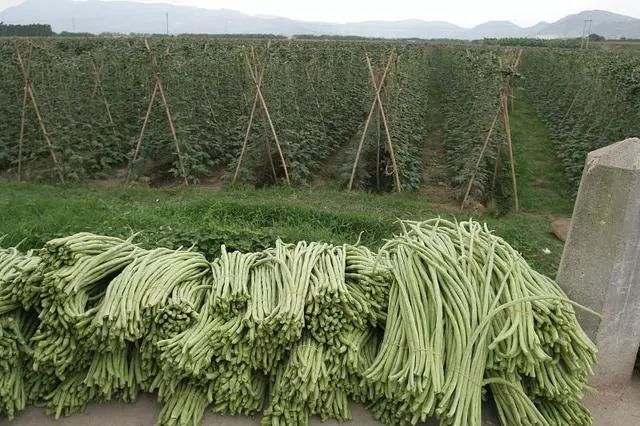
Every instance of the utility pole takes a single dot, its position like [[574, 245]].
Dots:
[[586, 31], [588, 34], [167, 23]]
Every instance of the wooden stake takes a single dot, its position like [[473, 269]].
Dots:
[[154, 61], [257, 79], [206, 97], [386, 125], [507, 128], [158, 88], [246, 138], [480, 157], [503, 112], [24, 110], [378, 147], [571, 106], [273, 129], [251, 115], [98, 74], [21, 141], [368, 120], [136, 150], [315, 95], [32, 96]]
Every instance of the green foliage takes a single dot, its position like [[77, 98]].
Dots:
[[587, 98], [470, 79], [534, 42], [316, 94]]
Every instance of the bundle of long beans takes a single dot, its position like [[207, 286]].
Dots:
[[77, 271], [16, 328], [20, 277], [466, 312], [185, 406]]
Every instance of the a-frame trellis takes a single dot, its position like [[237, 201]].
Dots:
[[503, 114], [30, 94], [377, 106], [98, 89], [158, 89], [257, 75]]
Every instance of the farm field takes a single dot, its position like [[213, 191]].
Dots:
[[248, 226], [104, 112]]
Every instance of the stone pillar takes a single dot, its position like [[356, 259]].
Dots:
[[600, 265]]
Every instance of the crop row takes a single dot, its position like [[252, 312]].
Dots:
[[588, 99], [93, 96]]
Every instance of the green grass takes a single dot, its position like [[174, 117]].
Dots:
[[542, 187], [246, 219], [251, 219]]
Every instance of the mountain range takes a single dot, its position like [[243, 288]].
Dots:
[[96, 16]]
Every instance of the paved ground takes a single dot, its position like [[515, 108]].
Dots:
[[145, 411], [618, 406]]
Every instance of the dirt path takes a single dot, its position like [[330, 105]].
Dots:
[[329, 174], [436, 177]]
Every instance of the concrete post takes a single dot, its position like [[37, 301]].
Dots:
[[600, 265]]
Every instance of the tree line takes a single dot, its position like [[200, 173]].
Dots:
[[30, 30]]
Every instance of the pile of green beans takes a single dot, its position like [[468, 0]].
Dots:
[[465, 313], [441, 316]]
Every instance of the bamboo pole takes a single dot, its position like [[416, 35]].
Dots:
[[24, 110], [480, 157], [315, 95], [367, 121], [273, 130], [253, 68], [32, 96], [98, 73], [251, 115], [206, 97], [503, 112], [507, 128], [136, 150], [173, 132], [154, 62], [275, 136], [246, 138], [21, 141], [386, 125], [378, 147], [571, 106]]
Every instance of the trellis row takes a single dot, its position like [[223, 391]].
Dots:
[[158, 89], [257, 78], [30, 92], [503, 114], [377, 105], [378, 108]]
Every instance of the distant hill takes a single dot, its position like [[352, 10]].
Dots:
[[610, 25], [95, 16]]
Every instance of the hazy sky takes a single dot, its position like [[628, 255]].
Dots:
[[461, 12]]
